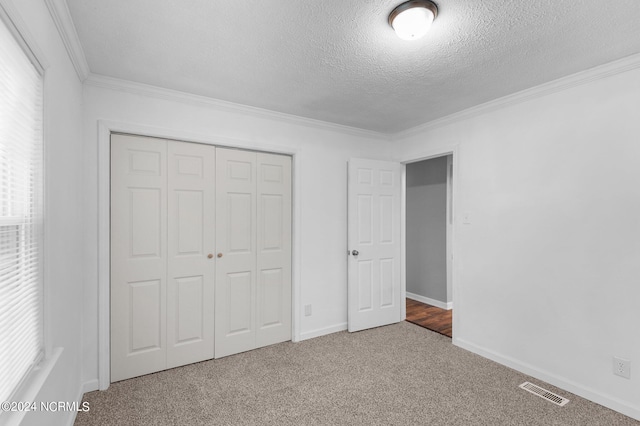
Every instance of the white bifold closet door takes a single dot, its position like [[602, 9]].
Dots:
[[253, 277], [138, 256], [190, 247], [162, 230], [173, 301]]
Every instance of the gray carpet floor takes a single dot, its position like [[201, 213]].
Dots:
[[396, 375]]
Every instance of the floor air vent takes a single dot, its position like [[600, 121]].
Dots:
[[543, 393]]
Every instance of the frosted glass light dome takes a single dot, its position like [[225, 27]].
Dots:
[[412, 20]]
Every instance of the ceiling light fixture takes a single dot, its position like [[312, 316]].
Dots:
[[412, 19]]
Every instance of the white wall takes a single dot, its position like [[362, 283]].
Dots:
[[426, 223], [322, 165], [547, 271], [63, 209]]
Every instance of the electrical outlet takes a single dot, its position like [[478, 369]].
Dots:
[[307, 310], [622, 367]]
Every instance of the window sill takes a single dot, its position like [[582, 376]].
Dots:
[[30, 388]]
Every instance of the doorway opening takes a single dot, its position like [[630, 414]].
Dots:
[[428, 237]]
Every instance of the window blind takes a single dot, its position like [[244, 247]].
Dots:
[[21, 336]]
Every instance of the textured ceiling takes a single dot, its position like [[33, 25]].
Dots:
[[339, 61]]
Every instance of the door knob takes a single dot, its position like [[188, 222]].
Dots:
[[355, 252], [219, 254], [210, 255]]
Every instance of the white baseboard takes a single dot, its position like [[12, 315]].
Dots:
[[561, 382], [90, 386], [323, 331], [429, 301]]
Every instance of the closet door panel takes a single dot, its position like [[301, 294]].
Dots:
[[138, 255], [274, 249], [191, 238], [235, 295]]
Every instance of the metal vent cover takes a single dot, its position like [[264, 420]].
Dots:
[[543, 393]]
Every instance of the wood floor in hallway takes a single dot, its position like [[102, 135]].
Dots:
[[431, 317]]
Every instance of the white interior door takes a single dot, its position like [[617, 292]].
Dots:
[[191, 246], [374, 243], [236, 246], [138, 255], [274, 249]]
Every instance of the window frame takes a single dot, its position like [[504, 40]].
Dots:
[[28, 388]]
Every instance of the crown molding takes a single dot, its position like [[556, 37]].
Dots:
[[61, 16], [135, 88], [564, 83]]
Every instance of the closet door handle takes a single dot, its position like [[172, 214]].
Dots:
[[219, 255], [210, 255]]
